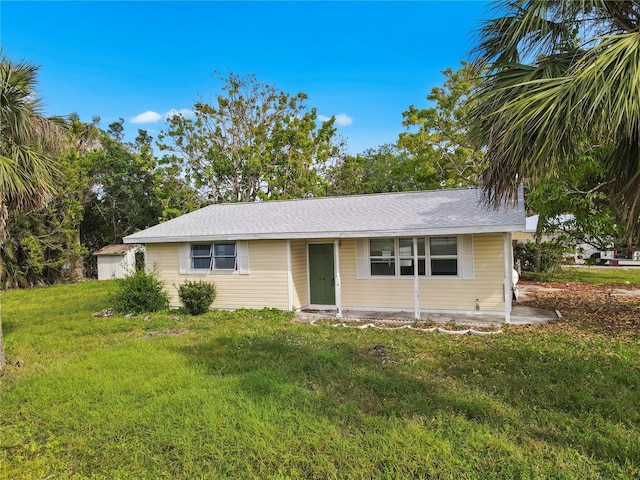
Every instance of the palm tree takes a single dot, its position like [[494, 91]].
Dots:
[[28, 142], [562, 76]]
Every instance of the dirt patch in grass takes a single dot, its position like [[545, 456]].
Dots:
[[603, 309], [169, 333]]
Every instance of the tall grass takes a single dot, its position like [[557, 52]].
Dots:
[[251, 395]]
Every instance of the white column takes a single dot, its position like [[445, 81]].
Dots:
[[416, 281], [508, 266], [336, 273]]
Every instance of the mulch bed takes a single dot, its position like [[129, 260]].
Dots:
[[598, 308]]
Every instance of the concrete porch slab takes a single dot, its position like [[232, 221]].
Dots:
[[520, 315]]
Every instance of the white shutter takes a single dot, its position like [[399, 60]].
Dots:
[[242, 252], [184, 253], [466, 256], [362, 258]]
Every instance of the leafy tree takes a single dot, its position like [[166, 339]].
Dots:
[[130, 190], [175, 195], [436, 151], [43, 245], [576, 204], [253, 142], [442, 141], [383, 169], [123, 191], [562, 77], [28, 143]]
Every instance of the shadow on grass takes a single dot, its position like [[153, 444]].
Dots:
[[582, 400]]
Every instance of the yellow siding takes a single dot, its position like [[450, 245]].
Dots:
[[393, 293], [267, 283], [435, 293], [487, 286], [299, 273], [264, 286]]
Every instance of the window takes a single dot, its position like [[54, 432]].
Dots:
[[201, 257], [405, 253], [443, 255], [225, 256], [382, 256], [396, 256], [217, 256]]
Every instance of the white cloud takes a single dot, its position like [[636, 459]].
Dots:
[[146, 117], [153, 117], [185, 112], [342, 119]]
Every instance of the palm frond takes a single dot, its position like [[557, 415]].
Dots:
[[29, 142], [533, 117]]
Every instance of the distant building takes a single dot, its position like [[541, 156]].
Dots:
[[116, 261]]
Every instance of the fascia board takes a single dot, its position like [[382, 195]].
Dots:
[[325, 234]]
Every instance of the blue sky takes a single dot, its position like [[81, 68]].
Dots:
[[365, 62]]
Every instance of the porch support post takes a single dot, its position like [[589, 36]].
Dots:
[[416, 281], [289, 277], [508, 266], [336, 274]]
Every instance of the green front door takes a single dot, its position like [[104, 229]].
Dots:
[[321, 275]]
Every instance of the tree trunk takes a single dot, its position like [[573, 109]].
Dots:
[[538, 257], [77, 269]]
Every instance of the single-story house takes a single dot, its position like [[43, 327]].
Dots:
[[439, 251], [116, 261]]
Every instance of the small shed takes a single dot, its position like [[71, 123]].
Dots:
[[116, 261]]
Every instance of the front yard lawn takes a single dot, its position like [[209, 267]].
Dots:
[[595, 275], [251, 394]]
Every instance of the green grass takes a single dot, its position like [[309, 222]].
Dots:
[[596, 275], [252, 395]]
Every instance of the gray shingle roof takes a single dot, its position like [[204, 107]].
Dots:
[[434, 212]]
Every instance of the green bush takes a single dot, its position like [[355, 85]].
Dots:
[[197, 297], [140, 292], [551, 255]]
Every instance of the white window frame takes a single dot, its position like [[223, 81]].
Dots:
[[455, 257], [212, 256], [234, 256], [193, 257], [384, 258], [427, 257], [413, 257]]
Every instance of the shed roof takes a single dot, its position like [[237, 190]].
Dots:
[[114, 250], [435, 212]]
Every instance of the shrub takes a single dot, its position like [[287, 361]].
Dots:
[[551, 255], [197, 297], [140, 292]]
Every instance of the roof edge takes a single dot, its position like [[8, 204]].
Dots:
[[314, 235]]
